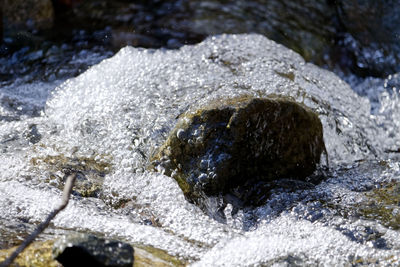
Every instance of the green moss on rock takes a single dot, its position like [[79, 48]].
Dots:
[[233, 141]]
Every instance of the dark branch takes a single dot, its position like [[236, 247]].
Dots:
[[64, 202]]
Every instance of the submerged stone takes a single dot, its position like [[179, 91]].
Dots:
[[238, 141], [88, 250]]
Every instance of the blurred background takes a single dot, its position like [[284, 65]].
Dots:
[[359, 37]]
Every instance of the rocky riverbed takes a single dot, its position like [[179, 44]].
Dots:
[[108, 122], [164, 168]]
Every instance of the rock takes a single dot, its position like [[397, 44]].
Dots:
[[39, 254], [88, 250], [238, 141], [30, 14]]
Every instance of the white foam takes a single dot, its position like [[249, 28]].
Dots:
[[287, 241]]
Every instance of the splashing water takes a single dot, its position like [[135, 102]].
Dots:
[[108, 121]]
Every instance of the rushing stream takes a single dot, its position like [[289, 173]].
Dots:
[[108, 121]]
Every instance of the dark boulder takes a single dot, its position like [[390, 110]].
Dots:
[[238, 141], [88, 250]]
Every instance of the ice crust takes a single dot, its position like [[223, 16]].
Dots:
[[122, 109]]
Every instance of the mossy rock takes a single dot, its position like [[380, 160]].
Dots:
[[238, 141], [39, 254]]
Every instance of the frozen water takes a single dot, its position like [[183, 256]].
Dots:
[[121, 110]]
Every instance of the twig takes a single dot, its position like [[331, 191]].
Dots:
[[64, 202]]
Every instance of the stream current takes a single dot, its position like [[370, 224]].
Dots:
[[109, 120]]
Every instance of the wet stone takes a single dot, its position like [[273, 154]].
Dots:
[[238, 142], [39, 254], [88, 250]]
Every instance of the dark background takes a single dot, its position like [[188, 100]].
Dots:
[[358, 37]]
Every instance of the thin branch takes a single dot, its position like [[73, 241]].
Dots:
[[64, 202]]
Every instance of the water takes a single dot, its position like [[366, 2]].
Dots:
[[108, 121]]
